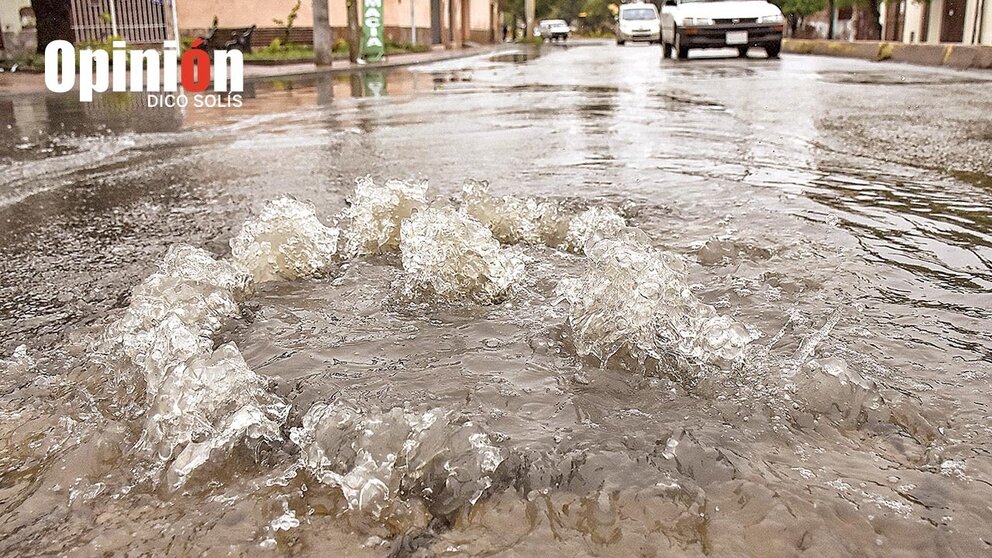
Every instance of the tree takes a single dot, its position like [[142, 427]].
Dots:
[[871, 8], [322, 44], [354, 31], [287, 25], [599, 16], [568, 10], [52, 22], [796, 11]]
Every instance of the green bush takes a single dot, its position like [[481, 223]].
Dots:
[[279, 51]]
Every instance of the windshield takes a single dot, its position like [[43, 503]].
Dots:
[[553, 22], [638, 14], [696, 1]]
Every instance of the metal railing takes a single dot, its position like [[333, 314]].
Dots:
[[137, 21]]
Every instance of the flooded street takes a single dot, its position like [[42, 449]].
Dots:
[[610, 306]]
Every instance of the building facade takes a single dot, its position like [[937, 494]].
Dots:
[[938, 21], [17, 28], [406, 21], [427, 22]]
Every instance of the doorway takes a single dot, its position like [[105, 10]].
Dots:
[[895, 18], [952, 21]]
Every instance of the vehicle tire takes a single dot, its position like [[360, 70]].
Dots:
[[742, 51], [666, 50], [681, 51], [620, 42], [773, 49]]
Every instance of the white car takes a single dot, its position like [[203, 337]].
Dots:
[[553, 29], [638, 22], [740, 24]]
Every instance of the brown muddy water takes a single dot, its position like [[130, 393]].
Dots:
[[609, 306]]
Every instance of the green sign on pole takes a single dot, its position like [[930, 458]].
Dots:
[[373, 41]]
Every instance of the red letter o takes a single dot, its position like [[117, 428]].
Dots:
[[196, 69]]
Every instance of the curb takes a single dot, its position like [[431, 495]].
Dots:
[[949, 55]]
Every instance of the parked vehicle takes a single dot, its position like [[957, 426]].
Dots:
[[740, 24], [638, 22], [553, 29]]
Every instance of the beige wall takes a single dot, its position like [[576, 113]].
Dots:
[[10, 14], [914, 13], [479, 14], [198, 14], [397, 12]]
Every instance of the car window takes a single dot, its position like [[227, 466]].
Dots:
[[638, 14]]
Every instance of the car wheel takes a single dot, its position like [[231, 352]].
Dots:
[[742, 51], [680, 50], [666, 50], [620, 42], [773, 49]]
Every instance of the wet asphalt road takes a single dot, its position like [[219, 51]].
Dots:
[[89, 195], [803, 192]]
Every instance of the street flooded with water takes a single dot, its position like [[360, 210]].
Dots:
[[582, 303]]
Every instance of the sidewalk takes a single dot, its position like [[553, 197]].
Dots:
[[950, 55], [260, 71]]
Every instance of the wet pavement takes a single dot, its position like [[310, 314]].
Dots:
[[839, 209]]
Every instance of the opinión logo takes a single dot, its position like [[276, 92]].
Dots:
[[166, 75]]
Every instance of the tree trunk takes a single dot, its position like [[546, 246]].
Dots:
[[322, 44], [53, 22], [354, 31], [869, 21], [832, 12]]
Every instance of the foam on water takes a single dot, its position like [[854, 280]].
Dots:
[[196, 399], [376, 213], [383, 461], [285, 241], [531, 221], [513, 220], [637, 298], [451, 256], [592, 224], [210, 404]]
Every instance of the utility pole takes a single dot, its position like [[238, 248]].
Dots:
[[113, 18], [354, 31], [322, 44], [529, 7], [175, 23], [413, 22]]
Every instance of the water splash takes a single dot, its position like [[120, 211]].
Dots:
[[531, 221], [376, 213], [637, 298], [451, 256], [285, 241], [207, 405], [196, 399], [381, 461], [591, 225], [513, 220], [829, 388]]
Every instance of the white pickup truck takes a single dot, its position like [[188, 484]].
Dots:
[[740, 24]]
